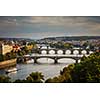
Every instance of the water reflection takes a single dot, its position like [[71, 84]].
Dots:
[[48, 70]]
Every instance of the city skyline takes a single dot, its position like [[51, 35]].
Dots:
[[37, 27]]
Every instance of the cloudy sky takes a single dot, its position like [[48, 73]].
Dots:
[[40, 27]]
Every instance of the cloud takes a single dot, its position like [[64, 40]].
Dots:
[[48, 26]]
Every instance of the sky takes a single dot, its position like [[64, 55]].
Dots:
[[37, 27]]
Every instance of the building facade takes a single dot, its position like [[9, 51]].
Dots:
[[5, 48]]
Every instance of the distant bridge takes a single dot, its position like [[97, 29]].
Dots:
[[72, 51]]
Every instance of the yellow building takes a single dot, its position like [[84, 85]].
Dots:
[[29, 47], [5, 49]]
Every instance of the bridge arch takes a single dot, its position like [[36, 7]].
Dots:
[[52, 51], [55, 60], [66, 60], [84, 52], [60, 51], [90, 52], [44, 60], [75, 52], [68, 52], [43, 52]]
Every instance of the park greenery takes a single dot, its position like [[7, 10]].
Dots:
[[87, 71], [60, 45], [27, 49]]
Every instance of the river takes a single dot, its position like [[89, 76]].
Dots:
[[46, 66]]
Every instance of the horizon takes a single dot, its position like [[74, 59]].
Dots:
[[44, 37]]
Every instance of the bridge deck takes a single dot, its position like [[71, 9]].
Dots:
[[54, 55]]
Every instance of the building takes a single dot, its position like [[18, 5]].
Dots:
[[5, 48], [16, 48]]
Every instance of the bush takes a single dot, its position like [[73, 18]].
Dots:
[[4, 79], [35, 77]]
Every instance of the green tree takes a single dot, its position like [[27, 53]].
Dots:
[[20, 53], [13, 55], [4, 79], [88, 70], [35, 77]]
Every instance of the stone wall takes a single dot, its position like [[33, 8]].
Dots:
[[7, 63]]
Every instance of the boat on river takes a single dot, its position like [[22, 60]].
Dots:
[[11, 70]]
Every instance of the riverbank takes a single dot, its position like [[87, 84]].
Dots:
[[8, 63]]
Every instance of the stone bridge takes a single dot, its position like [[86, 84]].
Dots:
[[72, 51], [54, 57]]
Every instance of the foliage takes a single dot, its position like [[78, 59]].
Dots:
[[33, 44], [88, 70], [4, 79], [61, 45], [34, 77]]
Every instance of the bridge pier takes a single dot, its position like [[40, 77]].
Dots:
[[71, 51], [79, 51], [55, 60], [40, 47], [56, 52], [87, 52], [64, 52], [47, 51], [21, 60], [35, 60], [77, 61], [39, 51]]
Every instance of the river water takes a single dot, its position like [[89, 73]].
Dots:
[[46, 66]]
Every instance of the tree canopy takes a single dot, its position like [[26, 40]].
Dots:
[[88, 70]]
